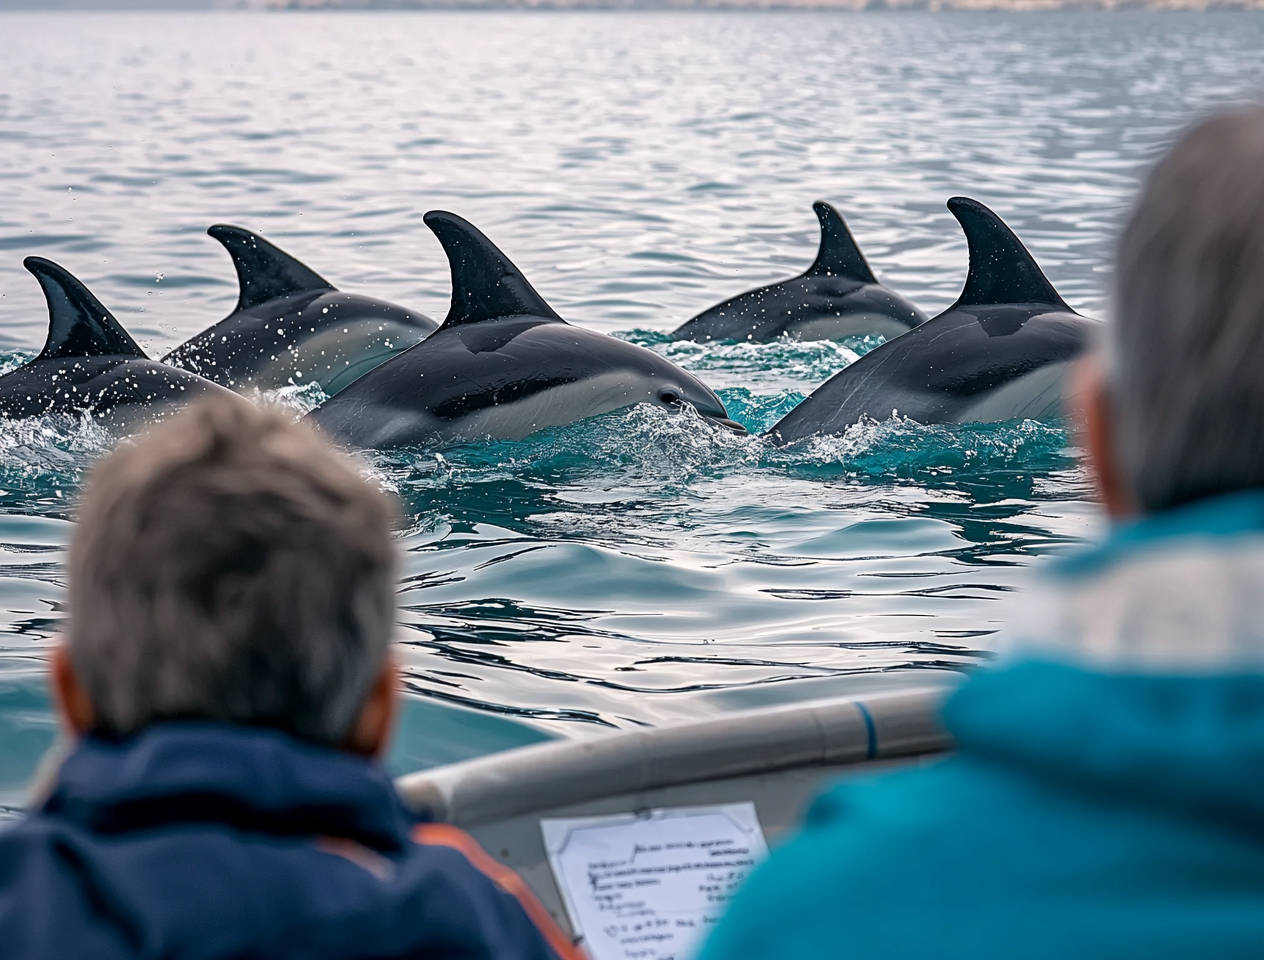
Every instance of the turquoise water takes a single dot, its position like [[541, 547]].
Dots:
[[638, 568]]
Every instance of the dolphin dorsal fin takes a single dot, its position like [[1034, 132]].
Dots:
[[1001, 269], [838, 256], [485, 283], [78, 325], [264, 270]]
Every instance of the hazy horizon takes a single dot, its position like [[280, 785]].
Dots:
[[106, 4], [852, 5]]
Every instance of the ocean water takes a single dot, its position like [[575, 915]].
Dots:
[[637, 568]]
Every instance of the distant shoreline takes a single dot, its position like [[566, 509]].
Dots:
[[850, 6], [855, 6]]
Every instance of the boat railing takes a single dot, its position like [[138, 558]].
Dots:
[[816, 733]]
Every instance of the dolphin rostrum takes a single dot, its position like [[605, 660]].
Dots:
[[292, 326], [89, 364], [1000, 352], [503, 365], [837, 297]]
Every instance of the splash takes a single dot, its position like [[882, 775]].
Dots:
[[902, 449], [43, 461], [297, 399], [635, 472]]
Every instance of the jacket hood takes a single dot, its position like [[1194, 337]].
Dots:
[[1191, 743], [1188, 743], [1215, 520], [1177, 593], [249, 778], [1142, 670]]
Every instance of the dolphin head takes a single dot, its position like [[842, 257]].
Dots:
[[678, 389]]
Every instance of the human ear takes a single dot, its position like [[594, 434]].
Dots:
[[1095, 433], [370, 735], [71, 697]]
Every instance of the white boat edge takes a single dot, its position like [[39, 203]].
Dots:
[[776, 757]]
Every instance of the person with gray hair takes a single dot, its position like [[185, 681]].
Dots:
[[1106, 797], [228, 681]]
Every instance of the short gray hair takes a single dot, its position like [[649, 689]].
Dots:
[[1185, 359], [231, 566]]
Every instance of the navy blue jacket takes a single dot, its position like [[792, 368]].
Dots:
[[200, 841]]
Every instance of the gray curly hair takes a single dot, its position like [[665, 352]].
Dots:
[[231, 566], [1185, 353]]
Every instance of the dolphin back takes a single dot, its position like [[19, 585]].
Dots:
[[502, 365], [1001, 351], [1001, 269], [90, 365], [999, 363], [78, 324], [485, 283], [836, 297], [264, 270], [838, 255]]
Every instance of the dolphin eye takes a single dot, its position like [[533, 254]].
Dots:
[[669, 396]]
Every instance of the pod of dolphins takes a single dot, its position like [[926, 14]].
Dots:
[[503, 364]]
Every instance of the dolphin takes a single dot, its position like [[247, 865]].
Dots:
[[89, 365], [1000, 352], [292, 326], [503, 365], [837, 297]]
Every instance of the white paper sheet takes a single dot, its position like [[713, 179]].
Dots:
[[650, 887]]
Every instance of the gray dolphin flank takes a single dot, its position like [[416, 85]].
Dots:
[[837, 297], [292, 326], [89, 364], [1001, 352], [503, 365]]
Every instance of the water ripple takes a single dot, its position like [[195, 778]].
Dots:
[[640, 167]]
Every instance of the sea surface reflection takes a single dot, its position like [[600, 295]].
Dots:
[[637, 568]]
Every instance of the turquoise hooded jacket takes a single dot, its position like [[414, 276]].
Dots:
[[1106, 798]]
